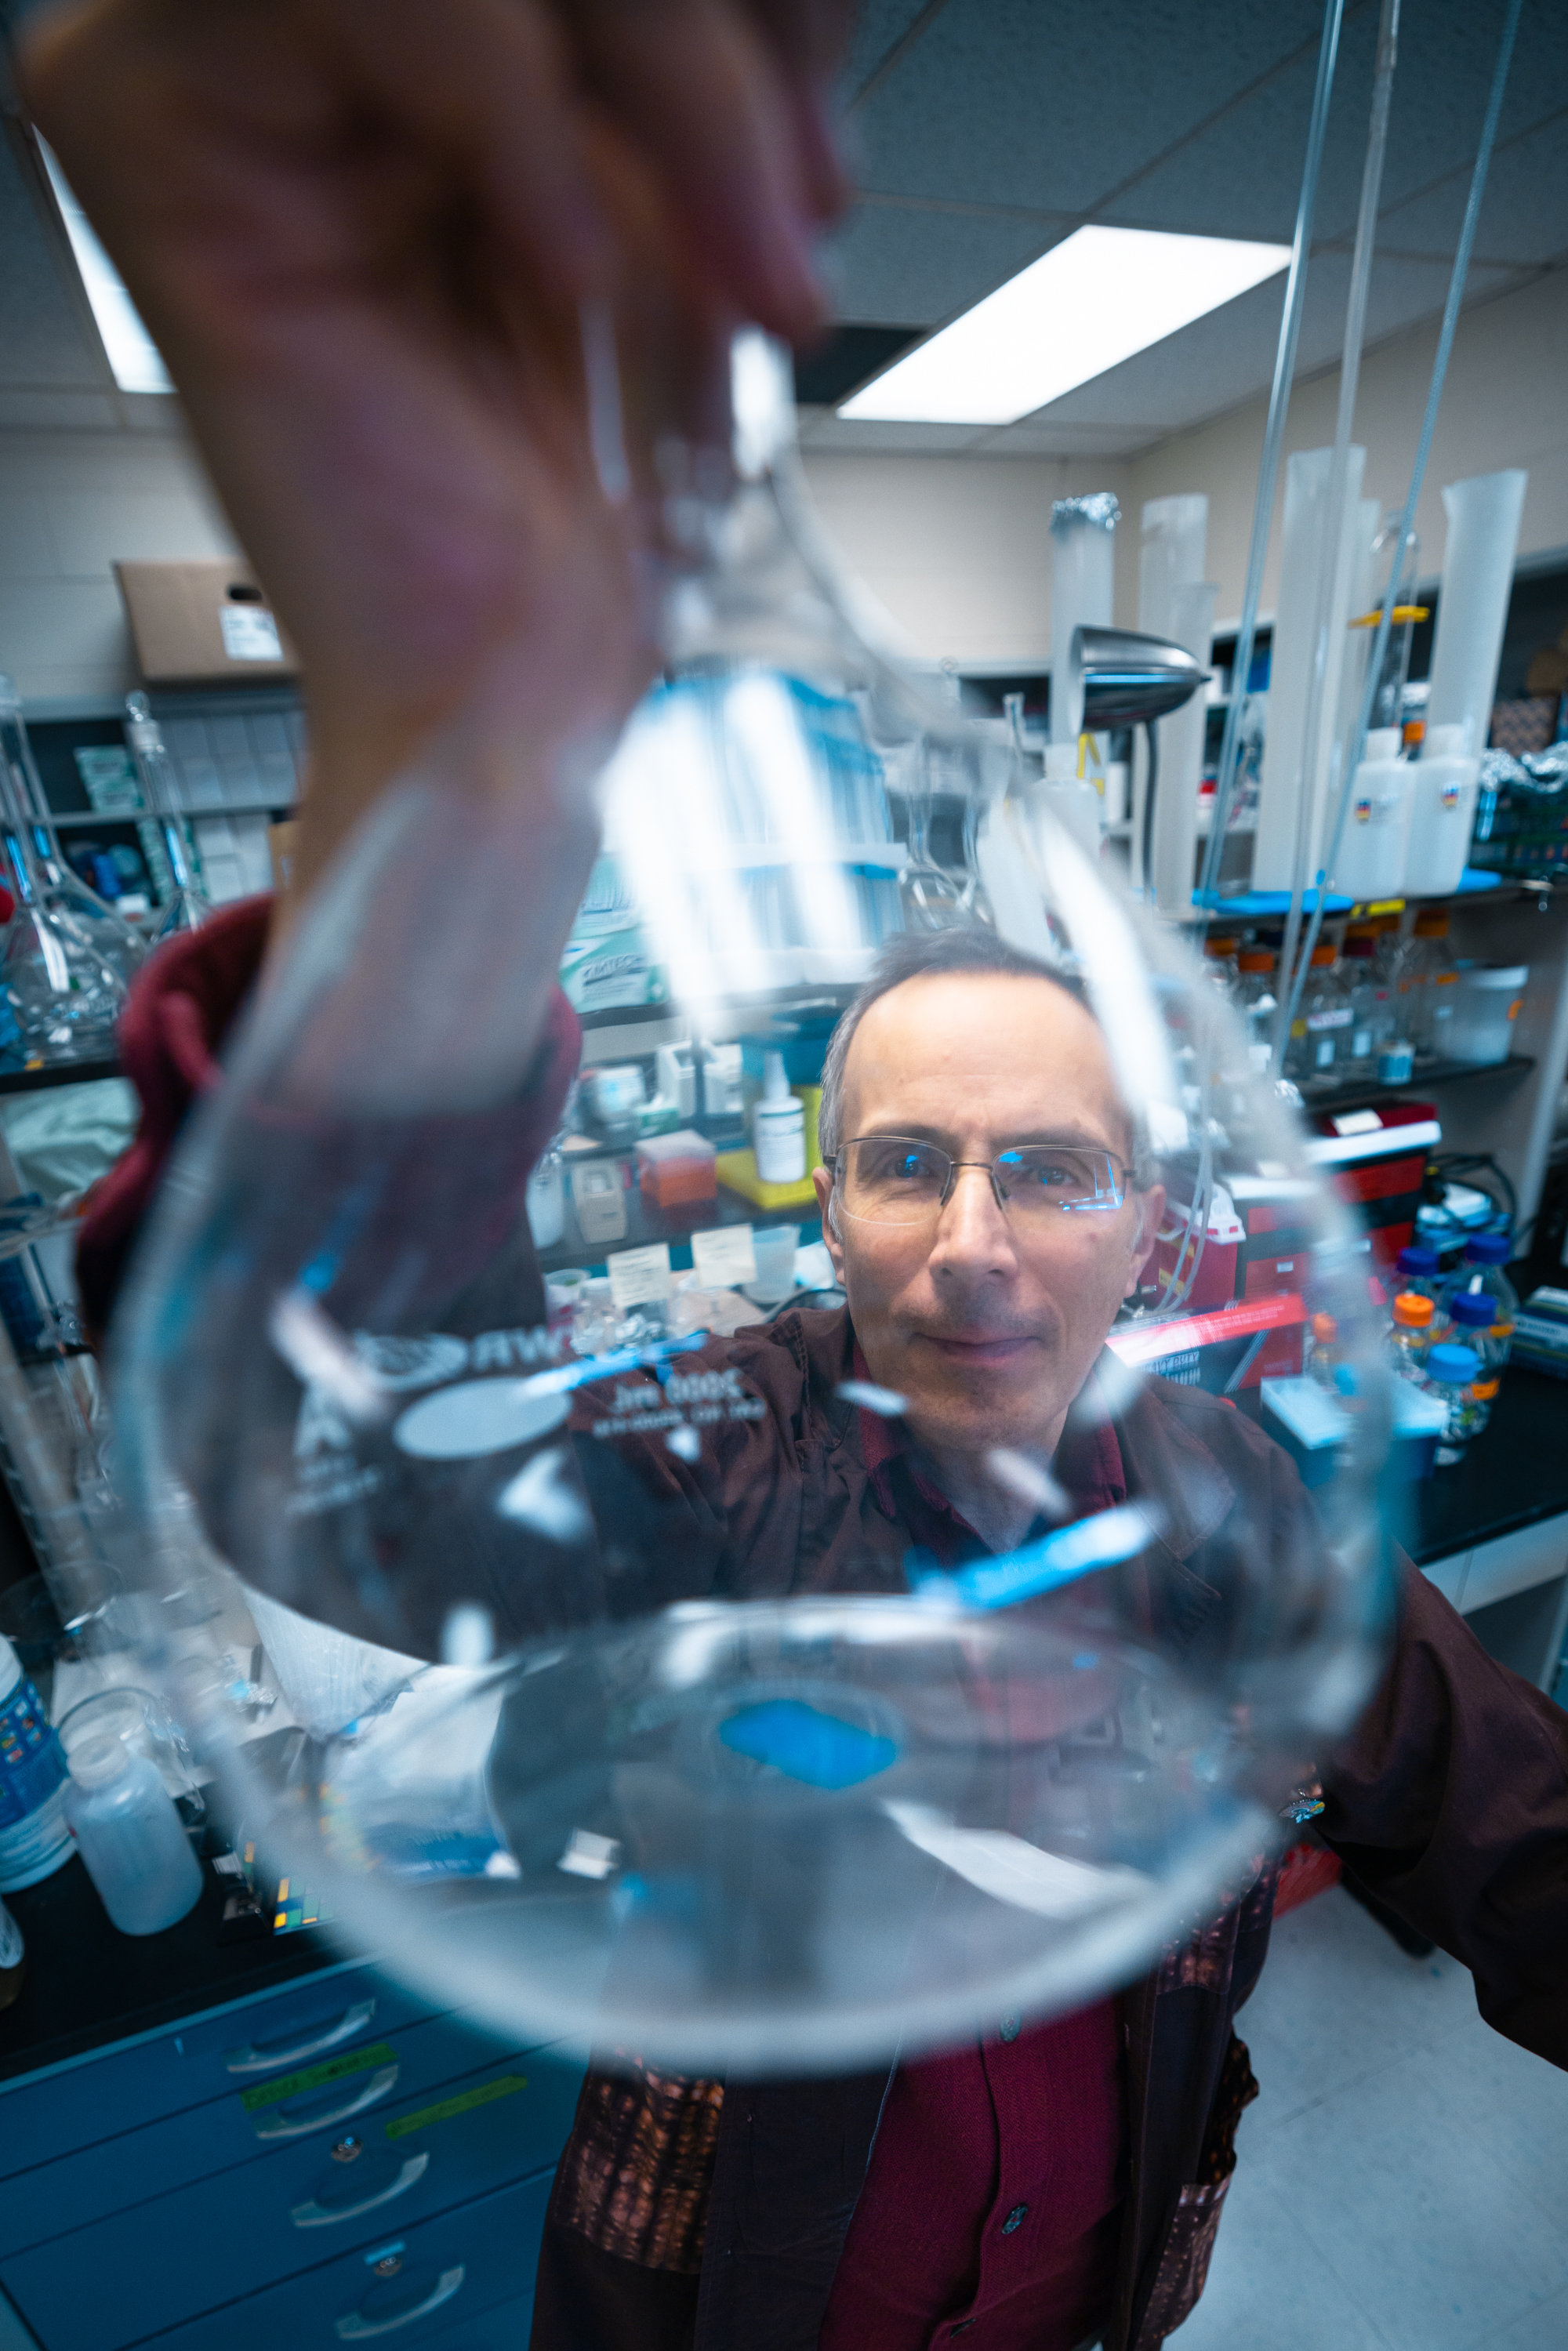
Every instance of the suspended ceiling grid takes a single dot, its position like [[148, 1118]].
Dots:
[[984, 132]]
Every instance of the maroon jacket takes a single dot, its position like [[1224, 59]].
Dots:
[[696, 2212]]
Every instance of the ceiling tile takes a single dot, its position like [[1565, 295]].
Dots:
[[1044, 436], [58, 412], [895, 266], [1228, 356], [1524, 213], [828, 432], [1010, 102], [42, 339], [1246, 166], [880, 26]]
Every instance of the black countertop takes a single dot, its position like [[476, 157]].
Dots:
[[88, 1985], [1514, 1474]]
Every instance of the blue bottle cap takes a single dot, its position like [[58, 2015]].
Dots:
[[1489, 1249], [1455, 1366], [1417, 1259], [1474, 1307]]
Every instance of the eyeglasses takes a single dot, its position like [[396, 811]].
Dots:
[[896, 1179]]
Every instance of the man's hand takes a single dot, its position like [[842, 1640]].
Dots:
[[362, 231]]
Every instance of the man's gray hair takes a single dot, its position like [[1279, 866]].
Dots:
[[925, 954]]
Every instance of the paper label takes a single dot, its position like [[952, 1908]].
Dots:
[[1337, 1017], [725, 1257], [1357, 1121], [485, 2095], [640, 1277], [250, 632], [316, 2078], [32, 1765]]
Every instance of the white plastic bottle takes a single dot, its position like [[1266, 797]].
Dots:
[[779, 1126], [1443, 814], [34, 1838], [1375, 845], [131, 1837]]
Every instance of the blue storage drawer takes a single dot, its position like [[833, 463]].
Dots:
[[161, 2264], [415, 2286], [49, 2114], [503, 2328], [346, 2091]]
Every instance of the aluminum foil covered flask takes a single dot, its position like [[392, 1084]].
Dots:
[[769, 1693]]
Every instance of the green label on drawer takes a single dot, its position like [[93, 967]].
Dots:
[[316, 2078], [485, 2095]]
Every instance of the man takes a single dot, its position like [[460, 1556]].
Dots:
[[1047, 2184], [361, 234]]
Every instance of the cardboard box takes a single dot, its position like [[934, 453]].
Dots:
[[193, 621]]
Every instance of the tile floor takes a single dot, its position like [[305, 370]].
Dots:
[[1402, 2181]]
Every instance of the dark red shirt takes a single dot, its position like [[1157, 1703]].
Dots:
[[990, 2213]]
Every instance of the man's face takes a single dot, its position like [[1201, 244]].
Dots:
[[987, 1321]]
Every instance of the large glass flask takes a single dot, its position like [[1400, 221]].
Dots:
[[779, 1700], [83, 914]]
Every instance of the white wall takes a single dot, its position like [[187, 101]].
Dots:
[[957, 549], [70, 504]]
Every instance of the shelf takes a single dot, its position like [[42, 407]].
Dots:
[[57, 1073], [1435, 1073], [646, 1223], [78, 819]]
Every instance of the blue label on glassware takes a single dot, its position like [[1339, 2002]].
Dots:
[[31, 1763]]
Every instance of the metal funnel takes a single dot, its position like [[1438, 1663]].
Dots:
[[1117, 678]]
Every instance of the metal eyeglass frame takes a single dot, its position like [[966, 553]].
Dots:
[[1110, 1201]]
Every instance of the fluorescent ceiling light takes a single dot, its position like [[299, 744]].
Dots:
[[1086, 305], [132, 353]]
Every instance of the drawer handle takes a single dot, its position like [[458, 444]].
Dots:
[[358, 2328], [312, 2215], [266, 2057], [279, 2126]]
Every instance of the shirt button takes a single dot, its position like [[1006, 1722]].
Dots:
[[1014, 2220], [1010, 2027]]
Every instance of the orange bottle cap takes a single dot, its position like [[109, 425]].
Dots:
[[1412, 1310], [1325, 1329]]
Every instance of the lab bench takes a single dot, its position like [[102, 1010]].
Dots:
[[1492, 1531], [208, 2146]]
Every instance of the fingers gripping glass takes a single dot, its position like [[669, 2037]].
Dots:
[[896, 1179]]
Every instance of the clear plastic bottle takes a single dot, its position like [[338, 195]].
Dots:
[[1450, 1376], [1419, 1271], [1257, 1004], [1467, 1324], [1320, 1032], [1409, 1334], [1485, 1257], [1368, 1008], [131, 1838], [1323, 1362], [1221, 952], [1428, 977]]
